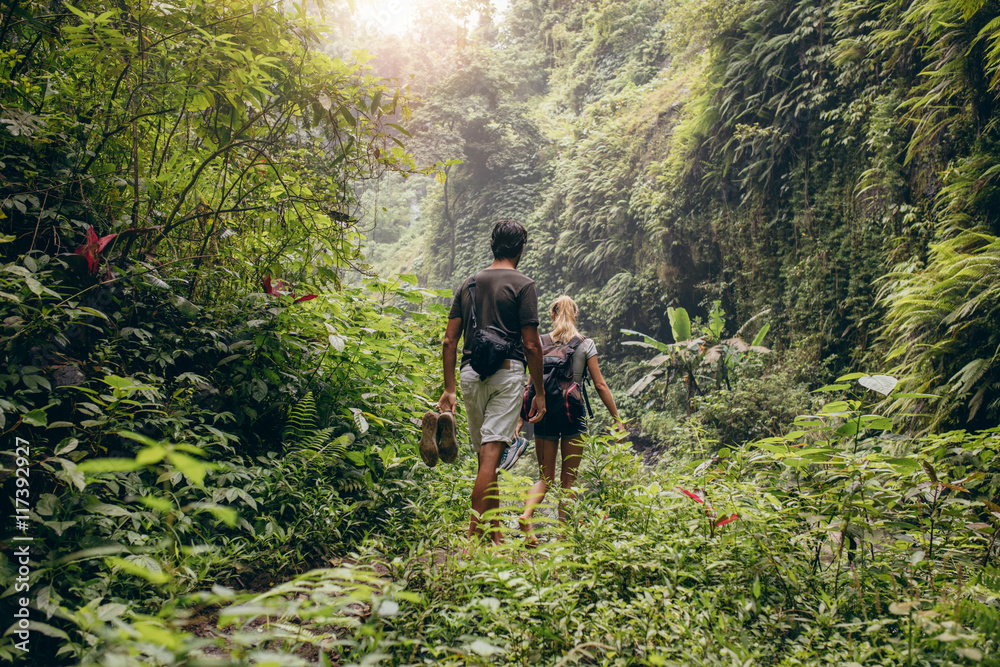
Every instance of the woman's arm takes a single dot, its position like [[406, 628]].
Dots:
[[604, 391]]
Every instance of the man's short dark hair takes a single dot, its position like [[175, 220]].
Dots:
[[509, 237]]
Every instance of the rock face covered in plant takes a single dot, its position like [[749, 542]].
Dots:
[[832, 161]]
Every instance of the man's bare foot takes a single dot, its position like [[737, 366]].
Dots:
[[530, 540]]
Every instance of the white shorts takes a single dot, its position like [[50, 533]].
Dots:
[[494, 405]]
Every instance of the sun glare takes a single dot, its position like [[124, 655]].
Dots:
[[386, 16], [396, 16]]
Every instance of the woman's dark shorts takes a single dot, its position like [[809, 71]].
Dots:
[[556, 425]]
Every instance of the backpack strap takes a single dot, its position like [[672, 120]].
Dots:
[[472, 294], [583, 378], [574, 343]]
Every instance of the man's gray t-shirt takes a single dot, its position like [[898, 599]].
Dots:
[[505, 298]]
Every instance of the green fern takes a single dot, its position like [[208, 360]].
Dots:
[[983, 614], [304, 441], [319, 446], [301, 418]]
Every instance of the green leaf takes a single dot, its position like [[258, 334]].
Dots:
[[93, 552], [883, 384], [107, 509], [47, 629], [187, 309], [71, 473], [153, 574], [156, 503], [680, 324], [36, 418], [716, 323], [67, 446], [850, 376], [483, 648], [400, 129], [98, 466], [882, 423], [151, 455], [774, 449], [359, 420], [111, 610], [759, 338], [155, 633], [901, 608], [141, 439], [848, 429], [832, 387], [904, 465], [192, 468], [225, 514], [971, 653], [118, 382]]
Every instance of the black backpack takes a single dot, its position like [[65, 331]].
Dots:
[[562, 394]]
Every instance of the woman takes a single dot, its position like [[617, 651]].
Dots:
[[556, 429]]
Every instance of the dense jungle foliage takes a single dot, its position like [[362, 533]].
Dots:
[[230, 231]]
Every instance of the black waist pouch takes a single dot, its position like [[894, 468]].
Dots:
[[489, 350]]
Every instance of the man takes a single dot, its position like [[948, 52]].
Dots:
[[505, 299]]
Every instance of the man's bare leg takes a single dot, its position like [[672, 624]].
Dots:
[[485, 492]]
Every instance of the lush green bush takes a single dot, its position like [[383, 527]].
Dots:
[[760, 405], [294, 425]]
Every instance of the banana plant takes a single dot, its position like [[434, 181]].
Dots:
[[731, 352], [677, 359], [684, 356]]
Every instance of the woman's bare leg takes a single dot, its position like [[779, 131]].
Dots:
[[572, 454], [546, 451]]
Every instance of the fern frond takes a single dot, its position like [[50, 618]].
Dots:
[[301, 418]]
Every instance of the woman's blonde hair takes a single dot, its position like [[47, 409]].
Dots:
[[564, 311]]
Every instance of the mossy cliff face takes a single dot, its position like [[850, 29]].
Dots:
[[804, 156]]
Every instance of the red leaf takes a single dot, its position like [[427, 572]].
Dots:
[[690, 495], [103, 242], [724, 521], [90, 248], [307, 297]]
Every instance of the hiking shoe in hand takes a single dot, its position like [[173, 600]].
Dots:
[[447, 445], [514, 452], [428, 438]]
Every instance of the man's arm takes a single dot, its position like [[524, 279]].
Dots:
[[533, 353], [449, 352]]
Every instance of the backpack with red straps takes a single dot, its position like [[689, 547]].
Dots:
[[563, 395]]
